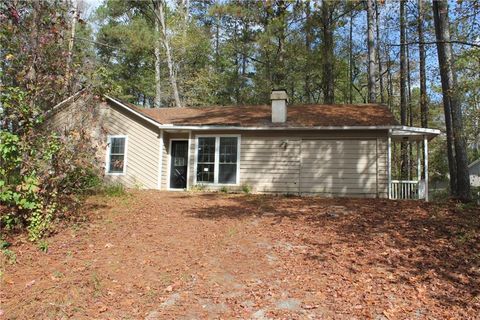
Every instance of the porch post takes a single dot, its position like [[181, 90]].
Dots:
[[160, 161], [419, 162], [389, 164], [425, 165]]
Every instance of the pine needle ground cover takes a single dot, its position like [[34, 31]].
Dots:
[[157, 255]]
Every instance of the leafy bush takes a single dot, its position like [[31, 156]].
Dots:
[[198, 188], [246, 189], [41, 171], [224, 189], [43, 246], [10, 256], [113, 189]]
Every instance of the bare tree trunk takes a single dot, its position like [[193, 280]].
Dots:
[[410, 111], [166, 44], [451, 100], [350, 60], [217, 42], [403, 85], [389, 82], [280, 74], [423, 75], [308, 48], [31, 77], [158, 43], [409, 88], [71, 42], [379, 60], [245, 41], [423, 72], [237, 65], [328, 54], [372, 87]]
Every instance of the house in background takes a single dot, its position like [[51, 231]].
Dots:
[[474, 170], [330, 150]]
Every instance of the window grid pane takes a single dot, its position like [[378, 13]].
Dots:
[[228, 150], [116, 163], [205, 172], [117, 146], [206, 160], [227, 173]]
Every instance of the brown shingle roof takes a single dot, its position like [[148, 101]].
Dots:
[[298, 115]]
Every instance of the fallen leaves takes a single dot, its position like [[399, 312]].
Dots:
[[30, 283], [340, 258]]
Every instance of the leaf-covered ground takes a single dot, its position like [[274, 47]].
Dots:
[[156, 255]]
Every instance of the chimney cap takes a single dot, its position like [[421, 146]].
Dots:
[[279, 94]]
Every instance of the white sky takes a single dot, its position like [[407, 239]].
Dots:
[[90, 6]]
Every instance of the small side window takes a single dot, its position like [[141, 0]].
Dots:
[[116, 156]]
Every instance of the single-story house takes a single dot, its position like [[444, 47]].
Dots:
[[330, 150], [474, 170]]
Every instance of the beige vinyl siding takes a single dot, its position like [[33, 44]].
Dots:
[[78, 116], [270, 162], [62, 120], [339, 167], [382, 171], [165, 161], [142, 149]]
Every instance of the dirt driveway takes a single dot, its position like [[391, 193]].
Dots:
[[158, 255]]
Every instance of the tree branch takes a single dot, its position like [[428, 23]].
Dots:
[[435, 42]]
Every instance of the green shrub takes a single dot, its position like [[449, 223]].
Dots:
[[439, 195], [246, 189], [4, 244], [224, 189], [43, 246], [10, 256], [198, 188], [114, 190]]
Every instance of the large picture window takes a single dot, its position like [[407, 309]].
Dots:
[[217, 159], [116, 154]]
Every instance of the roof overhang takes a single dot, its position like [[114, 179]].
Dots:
[[396, 132], [405, 133], [61, 104], [471, 165]]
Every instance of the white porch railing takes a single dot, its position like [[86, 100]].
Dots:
[[407, 189]]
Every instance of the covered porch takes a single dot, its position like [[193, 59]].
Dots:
[[408, 181]]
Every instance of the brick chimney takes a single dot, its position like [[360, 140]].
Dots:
[[279, 105]]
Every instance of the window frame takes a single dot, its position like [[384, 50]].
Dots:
[[217, 159], [108, 156]]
